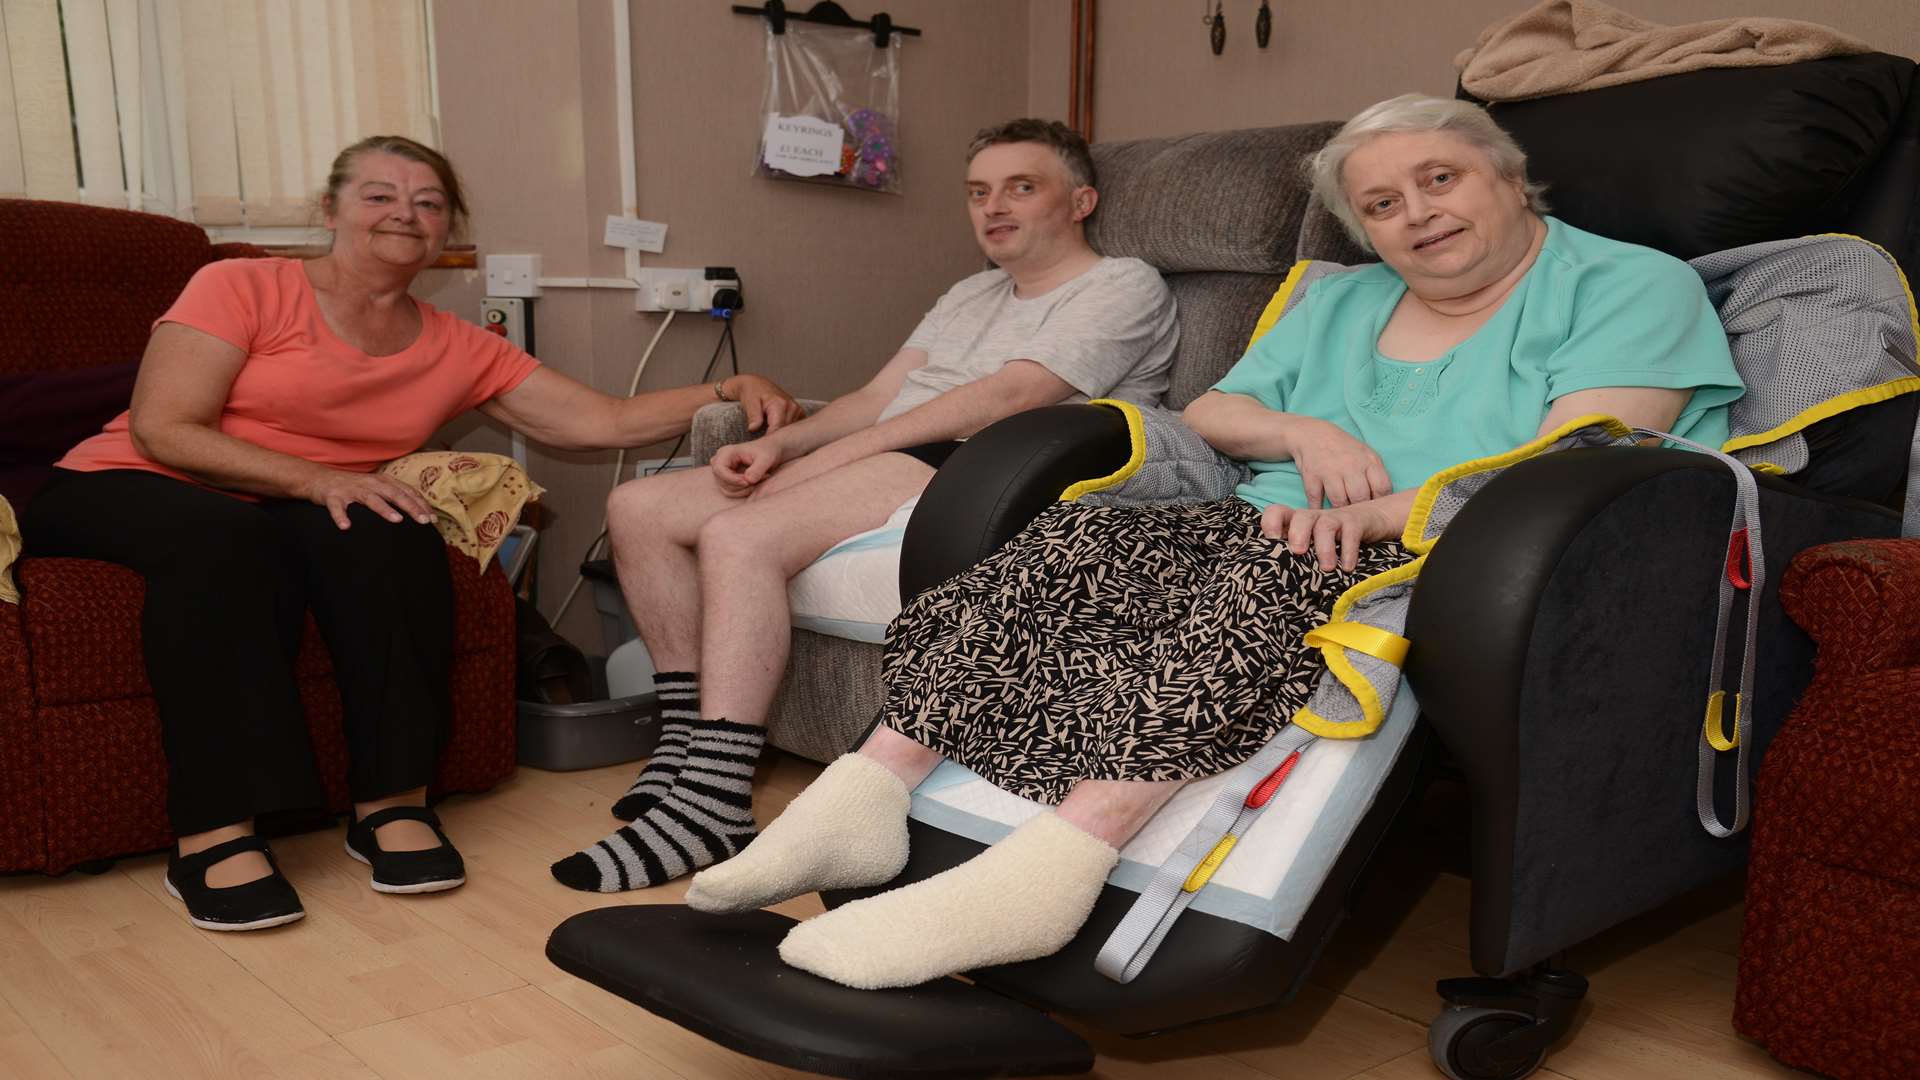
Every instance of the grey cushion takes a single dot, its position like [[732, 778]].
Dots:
[[724, 423], [1217, 315], [1229, 200], [1323, 237]]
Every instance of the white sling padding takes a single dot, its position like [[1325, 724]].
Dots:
[[1742, 538], [1184, 872]]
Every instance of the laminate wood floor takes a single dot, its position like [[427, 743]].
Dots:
[[103, 976]]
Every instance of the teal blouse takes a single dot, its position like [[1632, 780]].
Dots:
[[1590, 312]]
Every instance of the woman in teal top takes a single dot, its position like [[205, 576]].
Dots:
[[1588, 314], [1107, 654]]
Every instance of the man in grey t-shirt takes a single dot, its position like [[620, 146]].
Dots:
[[704, 556]]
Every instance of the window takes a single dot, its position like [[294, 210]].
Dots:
[[221, 112]]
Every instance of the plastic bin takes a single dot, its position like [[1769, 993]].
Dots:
[[588, 734], [616, 626]]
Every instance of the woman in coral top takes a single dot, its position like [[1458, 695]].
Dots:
[[242, 486]]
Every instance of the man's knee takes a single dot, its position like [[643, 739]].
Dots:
[[669, 507], [631, 501], [747, 534]]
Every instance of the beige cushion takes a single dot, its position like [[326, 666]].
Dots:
[[476, 498]]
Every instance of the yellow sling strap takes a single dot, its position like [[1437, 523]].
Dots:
[[1375, 642]]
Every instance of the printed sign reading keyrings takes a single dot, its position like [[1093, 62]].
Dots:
[[802, 145]]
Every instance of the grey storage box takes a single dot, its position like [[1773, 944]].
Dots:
[[588, 734]]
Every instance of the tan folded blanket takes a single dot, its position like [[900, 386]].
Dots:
[[476, 498], [1561, 46], [9, 552]]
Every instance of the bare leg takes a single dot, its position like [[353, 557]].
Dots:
[[748, 555], [903, 757], [1113, 810], [653, 525], [1023, 898]]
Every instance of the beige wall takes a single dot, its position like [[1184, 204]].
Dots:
[[1155, 74], [1049, 68], [835, 279]]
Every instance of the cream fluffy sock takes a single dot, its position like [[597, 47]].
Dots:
[[848, 829], [1020, 899]]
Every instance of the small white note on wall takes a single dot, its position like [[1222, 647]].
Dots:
[[626, 232], [802, 145]]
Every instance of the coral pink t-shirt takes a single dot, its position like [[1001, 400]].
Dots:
[[304, 392]]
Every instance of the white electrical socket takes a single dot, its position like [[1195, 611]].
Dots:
[[677, 289], [513, 275]]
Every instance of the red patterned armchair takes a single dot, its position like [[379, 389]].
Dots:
[[1830, 958], [82, 776]]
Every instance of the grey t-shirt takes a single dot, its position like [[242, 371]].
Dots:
[[1108, 333]]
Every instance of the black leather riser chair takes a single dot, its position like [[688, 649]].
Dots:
[[1562, 632]]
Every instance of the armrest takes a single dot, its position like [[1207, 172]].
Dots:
[[1562, 636], [724, 423], [23, 844], [1860, 600], [1001, 479]]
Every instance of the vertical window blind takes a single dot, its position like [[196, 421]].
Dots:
[[222, 112]]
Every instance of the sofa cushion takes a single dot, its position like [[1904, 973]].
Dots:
[[1228, 200], [1715, 159], [1217, 315], [1323, 237], [82, 620], [96, 280], [43, 414]]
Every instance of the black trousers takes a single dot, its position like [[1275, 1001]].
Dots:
[[229, 583]]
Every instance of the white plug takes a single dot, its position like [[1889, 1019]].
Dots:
[[665, 289]]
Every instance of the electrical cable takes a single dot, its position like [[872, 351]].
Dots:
[[726, 341], [619, 465]]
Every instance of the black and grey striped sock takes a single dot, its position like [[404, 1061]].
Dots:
[[707, 816], [679, 693]]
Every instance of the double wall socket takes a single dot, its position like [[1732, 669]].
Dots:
[[676, 289]]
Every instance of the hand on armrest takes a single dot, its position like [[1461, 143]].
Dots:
[[1000, 480], [723, 424]]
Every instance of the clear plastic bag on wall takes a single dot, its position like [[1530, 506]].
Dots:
[[830, 114]]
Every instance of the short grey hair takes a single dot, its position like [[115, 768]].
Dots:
[[1066, 142], [1416, 112]]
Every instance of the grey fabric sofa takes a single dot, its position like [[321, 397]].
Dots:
[[1223, 215]]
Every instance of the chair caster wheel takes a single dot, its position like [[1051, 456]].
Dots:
[[1464, 1044], [1501, 1029]]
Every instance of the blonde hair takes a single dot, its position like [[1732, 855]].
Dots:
[[399, 146]]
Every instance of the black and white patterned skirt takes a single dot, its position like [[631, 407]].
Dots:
[[1115, 643]]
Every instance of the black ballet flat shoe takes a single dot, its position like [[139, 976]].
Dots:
[[431, 870], [256, 905]]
